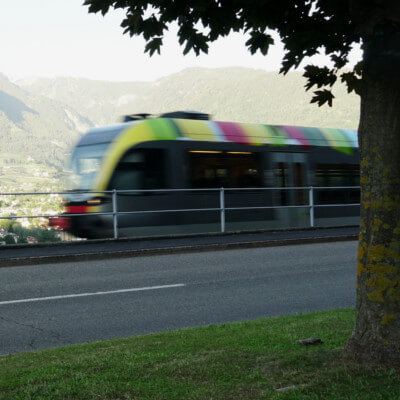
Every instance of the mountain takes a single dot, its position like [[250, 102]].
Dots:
[[34, 126], [41, 119], [99, 101], [233, 94]]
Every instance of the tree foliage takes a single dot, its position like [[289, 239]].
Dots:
[[304, 26]]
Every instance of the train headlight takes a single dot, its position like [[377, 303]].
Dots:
[[94, 202]]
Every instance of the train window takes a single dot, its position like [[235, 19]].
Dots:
[[337, 175], [299, 175], [154, 166], [281, 174], [140, 169], [84, 165], [210, 169]]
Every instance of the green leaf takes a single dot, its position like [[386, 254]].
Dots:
[[259, 41], [153, 46], [317, 76], [323, 96], [352, 82]]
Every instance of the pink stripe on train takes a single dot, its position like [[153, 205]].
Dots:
[[296, 133], [233, 132]]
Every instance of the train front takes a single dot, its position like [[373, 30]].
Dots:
[[84, 207]]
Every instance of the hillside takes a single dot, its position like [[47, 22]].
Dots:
[[99, 101], [36, 127], [41, 119], [234, 94]]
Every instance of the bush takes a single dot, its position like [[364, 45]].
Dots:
[[9, 239], [47, 236], [5, 224]]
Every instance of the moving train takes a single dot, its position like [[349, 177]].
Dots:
[[145, 155]]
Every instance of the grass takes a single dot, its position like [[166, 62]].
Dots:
[[248, 360]]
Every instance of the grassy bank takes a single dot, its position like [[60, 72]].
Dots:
[[250, 360]]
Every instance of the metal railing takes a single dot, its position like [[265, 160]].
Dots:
[[221, 208]]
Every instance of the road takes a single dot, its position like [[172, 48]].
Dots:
[[53, 305]]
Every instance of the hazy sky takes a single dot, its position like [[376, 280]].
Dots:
[[59, 38]]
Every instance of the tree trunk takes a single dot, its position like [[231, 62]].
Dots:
[[376, 337]]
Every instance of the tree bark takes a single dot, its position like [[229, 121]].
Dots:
[[376, 337]]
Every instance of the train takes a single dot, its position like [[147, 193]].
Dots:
[[158, 166]]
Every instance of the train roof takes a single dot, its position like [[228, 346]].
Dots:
[[344, 140]]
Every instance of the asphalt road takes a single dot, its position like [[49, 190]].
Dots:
[[53, 305]]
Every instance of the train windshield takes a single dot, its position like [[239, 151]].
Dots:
[[84, 165]]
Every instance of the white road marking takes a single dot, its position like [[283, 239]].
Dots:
[[67, 296]]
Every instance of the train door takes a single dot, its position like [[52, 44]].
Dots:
[[144, 170], [290, 170], [233, 169]]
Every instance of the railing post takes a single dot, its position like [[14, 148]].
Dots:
[[311, 199], [115, 213], [222, 208]]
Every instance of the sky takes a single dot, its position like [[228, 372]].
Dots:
[[50, 38]]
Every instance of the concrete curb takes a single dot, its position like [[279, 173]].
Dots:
[[174, 236], [21, 261]]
